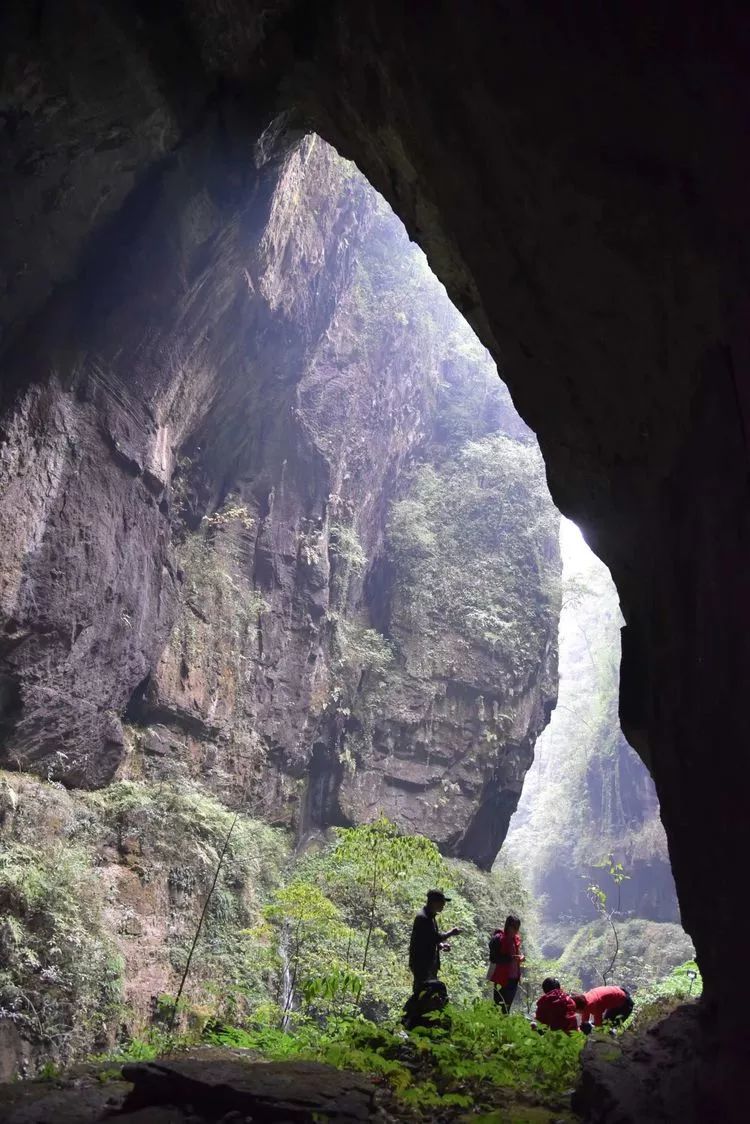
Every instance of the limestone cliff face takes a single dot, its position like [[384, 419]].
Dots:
[[89, 449], [443, 738], [295, 678], [206, 553], [588, 795]]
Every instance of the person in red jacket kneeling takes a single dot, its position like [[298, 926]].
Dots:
[[556, 1009], [603, 1004]]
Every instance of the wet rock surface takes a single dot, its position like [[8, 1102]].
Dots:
[[201, 1086]]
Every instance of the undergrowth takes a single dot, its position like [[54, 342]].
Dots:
[[472, 1057], [654, 1003]]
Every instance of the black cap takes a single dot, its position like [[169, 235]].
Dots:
[[436, 896]]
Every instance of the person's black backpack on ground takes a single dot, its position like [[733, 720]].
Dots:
[[432, 996]]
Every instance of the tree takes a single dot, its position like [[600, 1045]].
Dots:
[[379, 857], [303, 910], [600, 901]]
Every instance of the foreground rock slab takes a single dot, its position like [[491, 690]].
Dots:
[[213, 1088], [201, 1086], [71, 1102], [646, 1077]]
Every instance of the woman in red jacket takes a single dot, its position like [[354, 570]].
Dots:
[[506, 959]]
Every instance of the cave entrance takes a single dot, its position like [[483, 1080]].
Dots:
[[589, 803], [394, 507], [311, 576]]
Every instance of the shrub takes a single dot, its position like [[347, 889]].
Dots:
[[650, 950], [344, 544], [376, 878], [61, 975], [184, 832], [682, 985], [474, 544], [356, 650]]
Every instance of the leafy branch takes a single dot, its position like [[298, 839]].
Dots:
[[600, 901]]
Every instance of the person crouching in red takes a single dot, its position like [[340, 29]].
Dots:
[[505, 962], [603, 1004], [556, 1009]]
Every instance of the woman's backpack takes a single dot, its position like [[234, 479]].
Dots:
[[497, 956]]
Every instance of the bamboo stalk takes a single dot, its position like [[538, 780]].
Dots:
[[200, 922]]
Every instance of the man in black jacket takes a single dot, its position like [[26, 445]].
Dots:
[[427, 940]]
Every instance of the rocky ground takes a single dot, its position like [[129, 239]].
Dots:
[[647, 1076], [199, 1085], [215, 1085]]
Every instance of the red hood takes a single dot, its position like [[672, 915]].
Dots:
[[553, 1000]]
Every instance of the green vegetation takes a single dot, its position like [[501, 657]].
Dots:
[[473, 1057], [216, 594], [60, 980], [231, 513], [376, 879], [83, 876], [344, 543], [473, 534], [473, 544], [357, 649], [375, 857], [657, 999], [608, 910], [221, 609], [649, 951], [587, 835], [571, 810], [393, 289], [297, 959], [185, 832]]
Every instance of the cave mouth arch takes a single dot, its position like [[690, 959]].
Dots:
[[323, 580], [617, 148]]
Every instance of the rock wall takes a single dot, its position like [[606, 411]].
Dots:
[[588, 795], [101, 896], [290, 680], [468, 590], [214, 566]]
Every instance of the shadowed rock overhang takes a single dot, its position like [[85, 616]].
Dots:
[[577, 178]]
